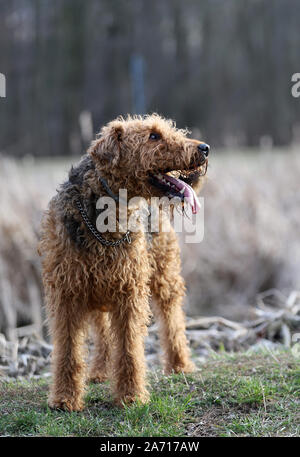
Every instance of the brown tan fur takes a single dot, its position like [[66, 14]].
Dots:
[[110, 287]]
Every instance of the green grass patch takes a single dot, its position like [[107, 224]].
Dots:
[[230, 395]]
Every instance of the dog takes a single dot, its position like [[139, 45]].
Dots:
[[105, 281]]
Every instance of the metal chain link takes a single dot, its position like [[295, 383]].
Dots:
[[126, 238]]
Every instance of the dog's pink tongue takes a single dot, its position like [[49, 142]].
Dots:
[[188, 193]]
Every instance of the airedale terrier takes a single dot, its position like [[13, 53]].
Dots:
[[107, 281]]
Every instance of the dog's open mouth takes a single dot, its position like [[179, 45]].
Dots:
[[179, 184]]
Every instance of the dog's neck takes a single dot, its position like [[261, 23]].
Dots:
[[108, 184], [106, 187], [113, 186]]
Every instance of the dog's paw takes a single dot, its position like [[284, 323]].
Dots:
[[141, 397], [186, 368], [65, 404], [189, 368], [97, 378]]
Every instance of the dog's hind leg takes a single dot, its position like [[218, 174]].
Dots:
[[102, 345], [168, 291]]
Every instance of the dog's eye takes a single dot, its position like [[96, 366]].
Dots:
[[154, 136]]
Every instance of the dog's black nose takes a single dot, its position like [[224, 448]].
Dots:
[[204, 148]]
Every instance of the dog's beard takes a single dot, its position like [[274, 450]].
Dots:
[[176, 187], [179, 184]]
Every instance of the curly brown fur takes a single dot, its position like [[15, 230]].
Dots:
[[86, 282]]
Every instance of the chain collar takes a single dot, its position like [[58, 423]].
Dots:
[[93, 230]]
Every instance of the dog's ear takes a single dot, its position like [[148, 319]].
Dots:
[[107, 147]]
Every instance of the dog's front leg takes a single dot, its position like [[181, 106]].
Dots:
[[129, 325]]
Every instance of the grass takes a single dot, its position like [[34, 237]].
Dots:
[[230, 395]]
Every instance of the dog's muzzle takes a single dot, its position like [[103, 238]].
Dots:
[[201, 156]]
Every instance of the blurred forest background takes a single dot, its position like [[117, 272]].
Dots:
[[222, 68]]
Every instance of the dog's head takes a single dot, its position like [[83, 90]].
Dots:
[[149, 156]]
